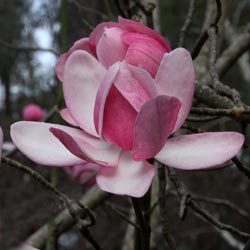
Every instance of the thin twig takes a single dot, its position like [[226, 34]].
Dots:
[[235, 112], [186, 25], [193, 129], [35, 175], [216, 83], [241, 167], [121, 214], [224, 203], [204, 35], [26, 48], [181, 190], [201, 119], [211, 219]]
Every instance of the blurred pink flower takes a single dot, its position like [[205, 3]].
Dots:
[[83, 173], [125, 117], [32, 112]]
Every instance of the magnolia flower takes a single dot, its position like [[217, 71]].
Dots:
[[32, 112], [126, 40], [124, 116]]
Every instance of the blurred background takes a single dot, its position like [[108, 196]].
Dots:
[[33, 33]]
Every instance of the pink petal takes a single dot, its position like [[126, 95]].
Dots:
[[135, 85], [102, 94], [38, 144], [154, 123], [82, 77], [140, 28], [87, 147], [175, 77], [143, 51], [200, 151], [142, 55], [82, 44], [97, 34], [83, 172], [128, 178], [118, 120], [110, 47], [67, 117]]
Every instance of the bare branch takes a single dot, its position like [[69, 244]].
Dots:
[[187, 23], [26, 49], [64, 220]]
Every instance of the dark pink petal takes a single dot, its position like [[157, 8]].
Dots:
[[118, 120], [37, 143], [135, 85], [110, 47], [82, 44], [102, 94], [67, 117], [140, 28], [98, 32], [154, 123], [175, 77], [82, 77], [87, 147], [200, 151], [128, 178]]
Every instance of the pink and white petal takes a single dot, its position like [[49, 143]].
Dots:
[[154, 123], [1, 141], [97, 33], [140, 28], [87, 147], [82, 44], [67, 117], [82, 77], [110, 47], [102, 94], [200, 151], [118, 120], [35, 141], [145, 80], [175, 77], [135, 85], [128, 178]]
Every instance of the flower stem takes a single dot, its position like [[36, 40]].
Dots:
[[144, 228]]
